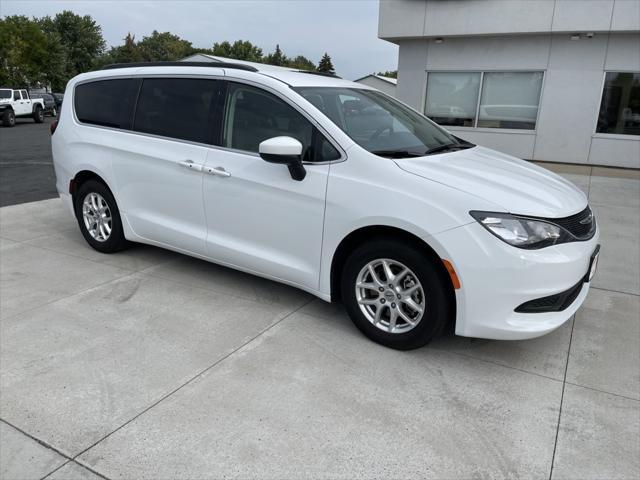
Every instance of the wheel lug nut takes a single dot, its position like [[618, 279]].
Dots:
[[381, 289], [391, 285], [393, 305], [382, 300], [399, 296]]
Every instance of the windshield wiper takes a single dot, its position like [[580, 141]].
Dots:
[[449, 146], [396, 153]]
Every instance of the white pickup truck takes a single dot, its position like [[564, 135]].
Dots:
[[17, 104]]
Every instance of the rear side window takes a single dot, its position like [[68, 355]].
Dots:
[[180, 108], [107, 102]]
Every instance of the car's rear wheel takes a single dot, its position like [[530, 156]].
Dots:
[[8, 118], [99, 218], [38, 115], [395, 294]]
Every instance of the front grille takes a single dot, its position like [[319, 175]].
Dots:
[[582, 231], [552, 303]]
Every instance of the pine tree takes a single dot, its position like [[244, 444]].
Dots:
[[277, 58], [325, 64]]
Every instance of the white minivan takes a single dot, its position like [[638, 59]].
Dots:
[[327, 185]]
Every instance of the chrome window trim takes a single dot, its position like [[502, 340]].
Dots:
[[334, 143]]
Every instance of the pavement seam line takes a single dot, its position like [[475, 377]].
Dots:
[[603, 391], [66, 297], [48, 446], [498, 364], [39, 441], [465, 355], [196, 376], [55, 470], [564, 384], [96, 473], [616, 291]]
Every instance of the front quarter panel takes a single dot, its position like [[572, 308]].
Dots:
[[367, 190]]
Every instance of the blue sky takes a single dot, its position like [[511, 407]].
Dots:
[[346, 29]]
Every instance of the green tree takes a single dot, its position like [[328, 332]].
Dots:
[[301, 63], [389, 73], [80, 37], [165, 46], [276, 58], [127, 53], [325, 64], [28, 55], [239, 50]]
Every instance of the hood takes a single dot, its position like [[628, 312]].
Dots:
[[517, 186]]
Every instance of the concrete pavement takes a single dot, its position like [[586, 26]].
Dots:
[[149, 364]]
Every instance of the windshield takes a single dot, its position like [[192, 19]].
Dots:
[[381, 124], [5, 93]]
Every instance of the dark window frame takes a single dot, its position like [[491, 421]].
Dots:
[[599, 116]]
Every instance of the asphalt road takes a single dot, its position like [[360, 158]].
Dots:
[[26, 166]]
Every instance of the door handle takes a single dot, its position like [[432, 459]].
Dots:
[[219, 171], [191, 165]]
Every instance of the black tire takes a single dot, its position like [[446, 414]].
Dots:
[[8, 118], [438, 305], [115, 241], [38, 115]]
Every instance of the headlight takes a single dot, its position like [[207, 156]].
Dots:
[[521, 232]]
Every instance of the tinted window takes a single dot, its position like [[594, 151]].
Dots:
[[177, 107], [5, 93], [253, 115], [620, 106], [25, 96], [106, 102]]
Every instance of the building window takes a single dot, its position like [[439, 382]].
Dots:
[[620, 106], [506, 99], [510, 100], [452, 98]]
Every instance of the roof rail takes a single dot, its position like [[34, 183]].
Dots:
[[237, 66], [323, 74]]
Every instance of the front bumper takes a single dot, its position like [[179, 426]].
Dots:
[[496, 278]]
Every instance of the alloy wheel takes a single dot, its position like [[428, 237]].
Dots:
[[97, 217], [390, 295]]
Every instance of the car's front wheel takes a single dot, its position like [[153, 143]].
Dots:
[[8, 118], [99, 218], [395, 294]]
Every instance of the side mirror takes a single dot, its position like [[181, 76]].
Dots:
[[285, 151]]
